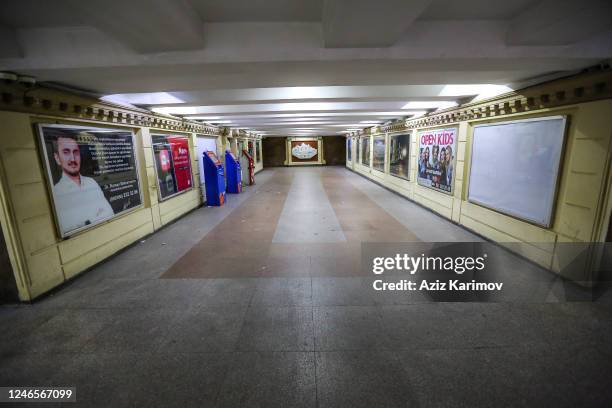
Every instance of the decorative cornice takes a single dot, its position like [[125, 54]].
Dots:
[[394, 127], [45, 101], [581, 88], [241, 133]]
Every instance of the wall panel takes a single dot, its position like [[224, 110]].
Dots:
[[42, 259], [580, 197]]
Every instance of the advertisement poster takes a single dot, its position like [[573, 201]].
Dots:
[[378, 152], [365, 151], [304, 150], [92, 174], [349, 152], [258, 148], [399, 155], [436, 159], [172, 163]]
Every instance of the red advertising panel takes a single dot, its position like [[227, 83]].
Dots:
[[182, 162], [173, 164]]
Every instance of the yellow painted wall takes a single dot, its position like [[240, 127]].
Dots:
[[40, 258], [242, 143], [581, 198]]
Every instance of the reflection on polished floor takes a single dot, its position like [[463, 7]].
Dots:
[[263, 302], [300, 224]]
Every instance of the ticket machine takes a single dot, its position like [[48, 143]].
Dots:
[[251, 165], [234, 178], [213, 179]]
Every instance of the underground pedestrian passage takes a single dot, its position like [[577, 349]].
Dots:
[[305, 204]]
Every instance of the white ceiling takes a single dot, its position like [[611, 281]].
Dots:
[[301, 67]]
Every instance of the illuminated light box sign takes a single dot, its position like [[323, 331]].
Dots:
[[304, 150], [92, 174], [436, 164], [399, 155], [173, 164]]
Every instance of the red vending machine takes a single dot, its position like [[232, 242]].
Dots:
[[251, 179]]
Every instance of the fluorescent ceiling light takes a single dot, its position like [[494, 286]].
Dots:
[[290, 124], [300, 119], [482, 91], [204, 117], [284, 107], [150, 98], [429, 105], [331, 115], [176, 110]]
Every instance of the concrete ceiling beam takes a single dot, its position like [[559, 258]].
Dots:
[[560, 22], [9, 44], [364, 24], [153, 26]]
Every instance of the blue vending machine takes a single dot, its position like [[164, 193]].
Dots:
[[234, 177], [213, 179]]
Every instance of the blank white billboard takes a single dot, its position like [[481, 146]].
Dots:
[[514, 167]]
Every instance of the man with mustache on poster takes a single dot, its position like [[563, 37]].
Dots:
[[79, 200]]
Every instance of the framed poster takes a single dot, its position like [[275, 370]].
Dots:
[[365, 151], [258, 150], [172, 165], [378, 153], [514, 167], [92, 174], [399, 155], [304, 150], [437, 159], [349, 152]]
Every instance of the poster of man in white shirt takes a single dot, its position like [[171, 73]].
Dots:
[[92, 173]]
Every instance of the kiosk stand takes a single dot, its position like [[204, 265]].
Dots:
[[234, 178], [213, 179], [246, 154]]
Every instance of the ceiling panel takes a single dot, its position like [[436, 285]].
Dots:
[[475, 9], [258, 10]]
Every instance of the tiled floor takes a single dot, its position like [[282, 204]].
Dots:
[[263, 303]]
